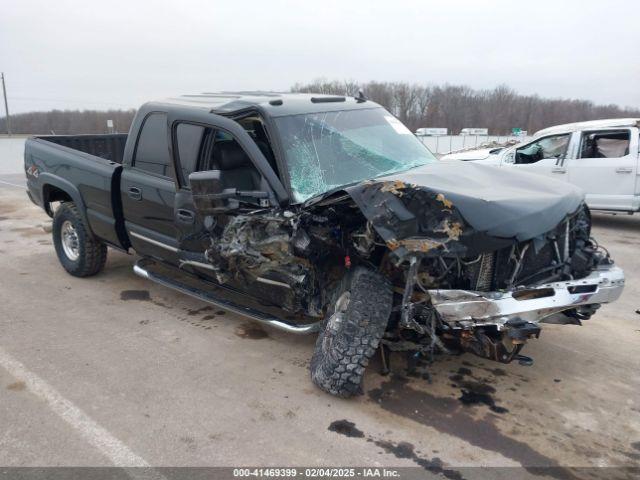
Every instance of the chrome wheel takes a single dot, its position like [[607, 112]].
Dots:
[[70, 243]]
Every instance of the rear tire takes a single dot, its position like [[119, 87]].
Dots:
[[79, 252], [354, 325]]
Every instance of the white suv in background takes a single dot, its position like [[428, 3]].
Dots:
[[599, 156]]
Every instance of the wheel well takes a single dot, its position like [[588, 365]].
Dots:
[[50, 194]]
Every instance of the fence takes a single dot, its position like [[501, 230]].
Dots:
[[443, 144]]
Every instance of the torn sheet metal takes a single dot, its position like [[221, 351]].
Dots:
[[462, 209]]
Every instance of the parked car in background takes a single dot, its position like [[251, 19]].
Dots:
[[599, 156], [484, 155]]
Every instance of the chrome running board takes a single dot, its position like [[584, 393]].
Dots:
[[141, 269]]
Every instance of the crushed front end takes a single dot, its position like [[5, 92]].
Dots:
[[495, 321], [473, 267], [462, 289]]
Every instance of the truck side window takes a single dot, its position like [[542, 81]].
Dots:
[[189, 143], [152, 150], [201, 149], [237, 168], [605, 144], [548, 147]]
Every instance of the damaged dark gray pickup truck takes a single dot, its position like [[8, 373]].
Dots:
[[316, 213]]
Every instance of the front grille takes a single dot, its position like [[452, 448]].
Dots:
[[563, 253], [540, 262], [485, 274]]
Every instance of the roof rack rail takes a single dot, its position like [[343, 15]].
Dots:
[[327, 99]]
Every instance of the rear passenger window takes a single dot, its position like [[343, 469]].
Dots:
[[611, 144], [189, 142], [152, 151]]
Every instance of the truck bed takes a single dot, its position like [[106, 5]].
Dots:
[[87, 169], [109, 147]]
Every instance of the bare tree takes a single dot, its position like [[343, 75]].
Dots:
[[457, 106], [63, 122], [452, 106]]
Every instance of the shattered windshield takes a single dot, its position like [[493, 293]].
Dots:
[[327, 150]]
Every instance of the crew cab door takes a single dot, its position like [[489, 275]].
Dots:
[[605, 167], [148, 190], [204, 142], [544, 156]]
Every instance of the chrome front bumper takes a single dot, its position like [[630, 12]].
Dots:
[[464, 308]]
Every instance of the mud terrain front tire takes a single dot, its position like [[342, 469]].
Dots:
[[79, 252], [352, 331]]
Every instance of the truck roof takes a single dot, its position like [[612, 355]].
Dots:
[[275, 104], [590, 125]]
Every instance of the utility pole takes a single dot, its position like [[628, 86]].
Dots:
[[6, 105]]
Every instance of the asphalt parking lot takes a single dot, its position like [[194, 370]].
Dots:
[[117, 370]]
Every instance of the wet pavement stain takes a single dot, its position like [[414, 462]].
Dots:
[[406, 450], [251, 331], [448, 415], [470, 397], [198, 311], [346, 428], [474, 392], [141, 295], [399, 450], [17, 386]]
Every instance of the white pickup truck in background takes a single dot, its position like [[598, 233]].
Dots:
[[599, 156]]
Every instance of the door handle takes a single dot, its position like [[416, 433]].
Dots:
[[559, 170], [135, 193], [185, 216], [624, 170]]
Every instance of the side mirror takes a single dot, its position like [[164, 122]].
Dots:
[[204, 183], [510, 157], [560, 158], [205, 188], [210, 197]]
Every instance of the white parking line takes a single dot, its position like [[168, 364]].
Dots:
[[116, 451], [13, 184]]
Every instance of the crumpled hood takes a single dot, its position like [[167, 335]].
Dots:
[[497, 202]]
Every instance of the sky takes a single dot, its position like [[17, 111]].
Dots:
[[118, 54]]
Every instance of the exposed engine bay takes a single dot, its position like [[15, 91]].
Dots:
[[455, 287]]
